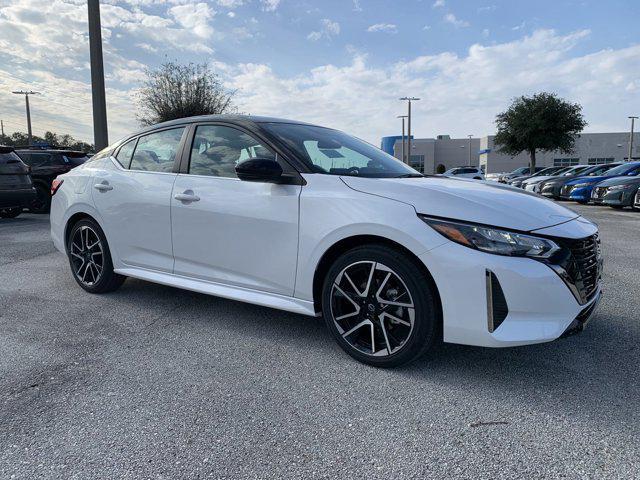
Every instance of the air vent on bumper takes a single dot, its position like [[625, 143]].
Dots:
[[497, 309]]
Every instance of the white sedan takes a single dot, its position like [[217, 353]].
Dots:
[[465, 172], [311, 220]]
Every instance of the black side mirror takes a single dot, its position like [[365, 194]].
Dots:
[[259, 170]]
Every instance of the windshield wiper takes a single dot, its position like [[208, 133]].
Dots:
[[410, 175]]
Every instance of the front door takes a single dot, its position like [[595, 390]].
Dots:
[[230, 231]]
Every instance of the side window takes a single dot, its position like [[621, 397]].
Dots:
[[216, 150], [156, 152], [58, 159], [39, 159], [125, 152]]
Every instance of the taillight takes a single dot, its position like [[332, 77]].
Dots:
[[55, 185]]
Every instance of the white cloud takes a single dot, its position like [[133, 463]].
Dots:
[[270, 5], [451, 18], [474, 87], [383, 27], [328, 30], [230, 3], [438, 4], [486, 33], [356, 6], [194, 17]]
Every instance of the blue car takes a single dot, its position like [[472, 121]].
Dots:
[[579, 189]]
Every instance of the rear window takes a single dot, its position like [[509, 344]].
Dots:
[[74, 160], [9, 157]]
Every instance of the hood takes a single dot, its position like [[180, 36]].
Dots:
[[589, 180], [532, 180], [469, 200], [624, 180]]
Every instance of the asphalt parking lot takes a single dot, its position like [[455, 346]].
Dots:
[[155, 382]]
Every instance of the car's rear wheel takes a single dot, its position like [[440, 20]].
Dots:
[[379, 305], [90, 258], [10, 212], [42, 202], [617, 207]]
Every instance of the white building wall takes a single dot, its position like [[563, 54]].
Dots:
[[453, 152]]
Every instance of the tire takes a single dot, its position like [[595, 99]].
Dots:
[[401, 335], [90, 259], [10, 212], [42, 202], [582, 202]]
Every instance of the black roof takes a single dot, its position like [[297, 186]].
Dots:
[[237, 119]]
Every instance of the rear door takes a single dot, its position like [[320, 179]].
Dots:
[[14, 174], [230, 231], [133, 196]]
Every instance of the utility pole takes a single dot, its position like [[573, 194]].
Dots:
[[403, 142], [26, 101], [470, 137], [631, 139], [100, 135], [2, 127], [409, 99]]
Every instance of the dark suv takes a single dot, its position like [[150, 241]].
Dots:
[[16, 189], [47, 164]]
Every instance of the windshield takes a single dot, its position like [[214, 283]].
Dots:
[[545, 171], [574, 171], [597, 171], [521, 170], [336, 153], [622, 169]]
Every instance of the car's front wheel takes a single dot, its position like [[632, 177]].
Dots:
[[42, 201], [379, 305], [90, 258]]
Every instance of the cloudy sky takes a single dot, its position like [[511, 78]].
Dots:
[[340, 63]]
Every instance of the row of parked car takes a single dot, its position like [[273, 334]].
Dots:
[[26, 175], [614, 184]]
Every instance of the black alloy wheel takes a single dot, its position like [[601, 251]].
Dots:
[[90, 258], [42, 201], [10, 212], [379, 306]]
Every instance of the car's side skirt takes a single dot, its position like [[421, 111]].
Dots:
[[265, 299]]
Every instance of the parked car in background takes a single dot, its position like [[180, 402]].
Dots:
[[517, 182], [494, 177], [465, 172], [518, 172], [533, 184], [393, 259], [47, 164], [551, 188], [580, 189], [617, 192], [16, 189]]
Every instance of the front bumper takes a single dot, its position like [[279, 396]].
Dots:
[[17, 198], [580, 194], [622, 198], [541, 306]]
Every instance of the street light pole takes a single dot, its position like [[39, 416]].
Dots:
[[403, 147], [26, 103], [470, 137], [100, 134], [409, 100], [631, 139]]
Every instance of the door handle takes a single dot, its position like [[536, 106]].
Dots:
[[187, 196], [103, 187]]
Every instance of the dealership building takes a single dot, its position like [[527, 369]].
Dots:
[[435, 155]]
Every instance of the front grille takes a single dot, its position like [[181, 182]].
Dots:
[[583, 266], [599, 192], [566, 190]]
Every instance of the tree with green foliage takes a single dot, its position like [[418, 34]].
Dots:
[[542, 122], [20, 139], [176, 91]]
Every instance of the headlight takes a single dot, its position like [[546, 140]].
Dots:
[[581, 185], [615, 188], [493, 240]]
